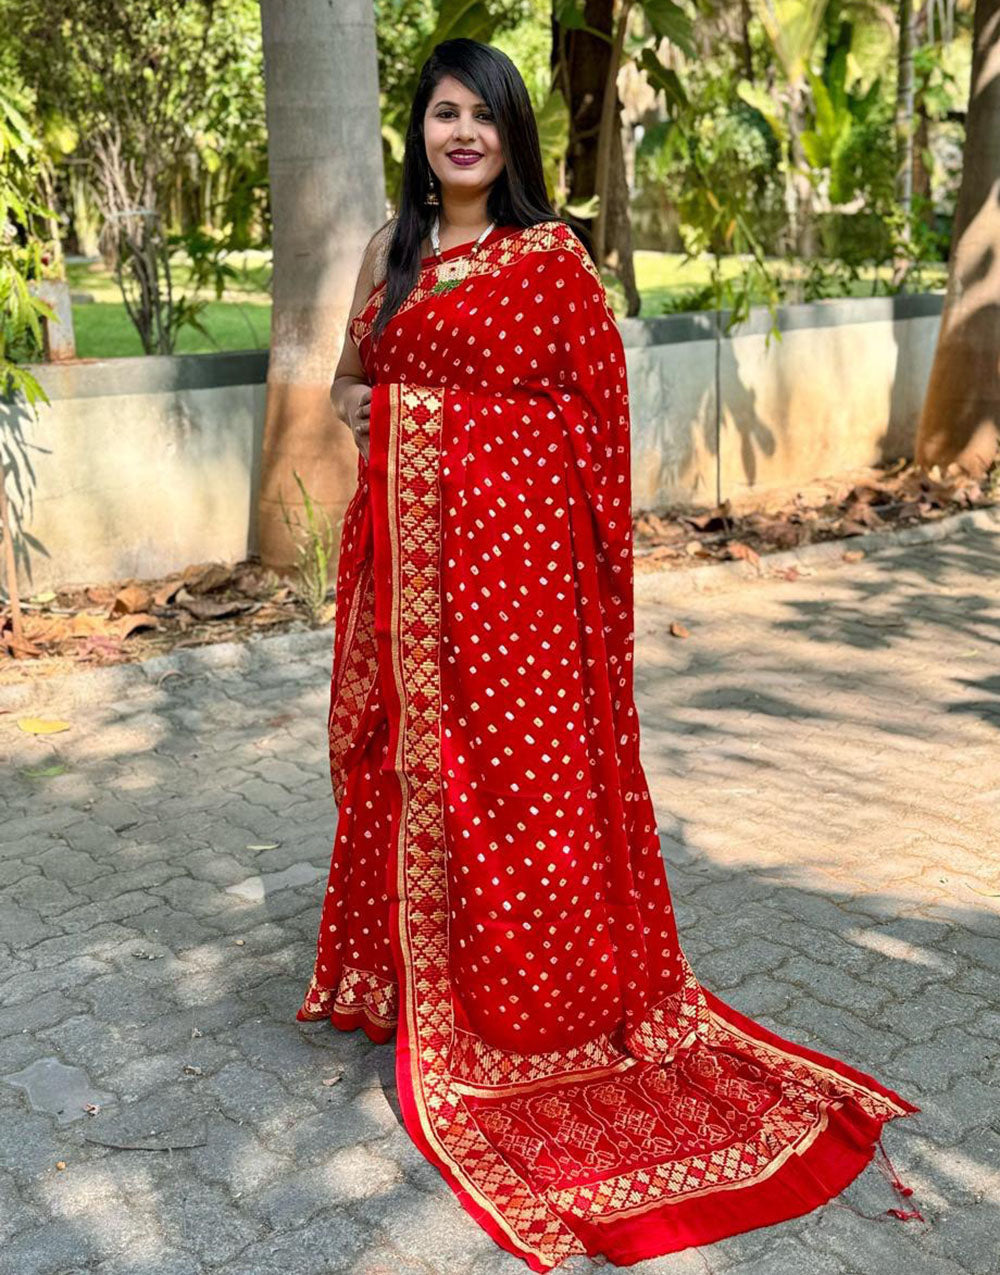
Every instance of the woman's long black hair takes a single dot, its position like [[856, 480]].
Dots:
[[518, 196]]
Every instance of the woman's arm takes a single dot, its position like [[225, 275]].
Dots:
[[350, 392]]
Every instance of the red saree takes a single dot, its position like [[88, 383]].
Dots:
[[497, 894]]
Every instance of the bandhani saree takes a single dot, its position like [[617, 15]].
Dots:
[[497, 894]]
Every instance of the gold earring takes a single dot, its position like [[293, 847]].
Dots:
[[432, 195]]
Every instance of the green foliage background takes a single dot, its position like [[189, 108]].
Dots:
[[711, 155]]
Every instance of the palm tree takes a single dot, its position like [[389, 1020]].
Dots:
[[960, 421], [327, 196]]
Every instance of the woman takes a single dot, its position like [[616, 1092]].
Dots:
[[497, 894]]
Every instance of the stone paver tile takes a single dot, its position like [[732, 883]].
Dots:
[[329, 1245]]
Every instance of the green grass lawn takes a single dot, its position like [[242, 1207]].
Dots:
[[241, 320], [663, 277], [104, 330]]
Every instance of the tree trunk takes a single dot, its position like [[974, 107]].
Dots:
[[327, 190], [618, 238], [904, 104], [960, 422], [583, 80], [746, 48], [800, 192], [921, 172], [906, 19]]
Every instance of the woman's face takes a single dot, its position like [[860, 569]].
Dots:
[[457, 121]]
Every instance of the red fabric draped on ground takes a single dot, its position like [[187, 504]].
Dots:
[[497, 891]]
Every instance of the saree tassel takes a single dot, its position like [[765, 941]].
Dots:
[[889, 1169], [904, 1191]]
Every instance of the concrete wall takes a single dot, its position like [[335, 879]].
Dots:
[[841, 388], [141, 466]]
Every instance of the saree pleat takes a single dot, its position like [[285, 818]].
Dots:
[[556, 1056]]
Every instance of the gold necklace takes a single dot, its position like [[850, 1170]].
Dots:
[[450, 273]]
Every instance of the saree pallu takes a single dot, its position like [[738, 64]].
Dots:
[[556, 1056]]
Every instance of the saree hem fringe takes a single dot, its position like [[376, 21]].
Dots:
[[376, 1031]]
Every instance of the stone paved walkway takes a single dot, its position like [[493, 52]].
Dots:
[[823, 756]]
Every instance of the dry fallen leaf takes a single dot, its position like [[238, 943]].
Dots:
[[41, 726], [678, 630], [332, 1080], [129, 623], [85, 623], [739, 550], [645, 527], [130, 599], [207, 579], [714, 521], [211, 608], [863, 513], [19, 649], [255, 581], [853, 555], [163, 595], [101, 645]]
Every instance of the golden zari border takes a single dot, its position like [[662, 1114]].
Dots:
[[414, 440], [682, 1180], [674, 1023], [357, 991], [545, 236], [488, 1071], [357, 677]]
